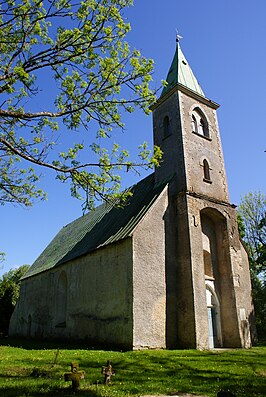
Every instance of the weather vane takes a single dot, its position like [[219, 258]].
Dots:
[[178, 37]]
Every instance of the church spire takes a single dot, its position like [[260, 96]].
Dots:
[[181, 73]]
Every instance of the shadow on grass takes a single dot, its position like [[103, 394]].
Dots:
[[190, 374], [40, 344], [49, 392], [137, 373]]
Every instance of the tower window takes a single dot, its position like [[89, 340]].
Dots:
[[202, 129], [206, 171], [166, 127], [194, 124], [199, 123]]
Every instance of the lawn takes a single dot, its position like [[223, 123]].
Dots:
[[28, 369]]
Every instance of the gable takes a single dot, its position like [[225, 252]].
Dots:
[[104, 225]]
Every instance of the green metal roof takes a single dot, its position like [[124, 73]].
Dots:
[[100, 227], [181, 73]]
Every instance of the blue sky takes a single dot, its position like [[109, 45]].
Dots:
[[224, 43]]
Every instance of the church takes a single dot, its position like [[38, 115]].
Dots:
[[168, 270]]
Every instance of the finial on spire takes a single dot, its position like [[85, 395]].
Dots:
[[178, 37]]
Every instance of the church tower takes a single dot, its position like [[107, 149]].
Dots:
[[207, 270]]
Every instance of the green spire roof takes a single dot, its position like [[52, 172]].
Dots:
[[181, 73]]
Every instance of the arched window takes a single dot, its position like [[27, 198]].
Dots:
[[194, 124], [206, 171], [199, 123], [166, 126], [202, 128]]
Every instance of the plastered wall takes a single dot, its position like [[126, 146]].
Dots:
[[149, 278], [98, 301]]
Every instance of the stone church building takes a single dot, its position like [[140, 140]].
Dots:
[[166, 271]]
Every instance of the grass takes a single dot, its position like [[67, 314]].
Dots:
[[31, 370]]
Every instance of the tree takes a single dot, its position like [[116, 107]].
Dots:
[[252, 222], [252, 211], [65, 66], [9, 293], [2, 257]]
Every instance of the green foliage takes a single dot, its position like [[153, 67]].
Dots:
[[252, 210], [2, 257], [241, 226], [252, 225], [9, 294], [38, 370], [64, 66]]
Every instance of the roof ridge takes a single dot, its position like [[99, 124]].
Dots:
[[104, 225]]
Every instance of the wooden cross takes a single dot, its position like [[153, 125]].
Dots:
[[108, 372], [75, 376]]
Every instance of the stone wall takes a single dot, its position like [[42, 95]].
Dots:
[[33, 314], [98, 299], [192, 197], [198, 147], [231, 275], [171, 144], [149, 278]]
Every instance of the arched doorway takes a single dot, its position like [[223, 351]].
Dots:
[[214, 318], [212, 225], [61, 301], [29, 326]]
